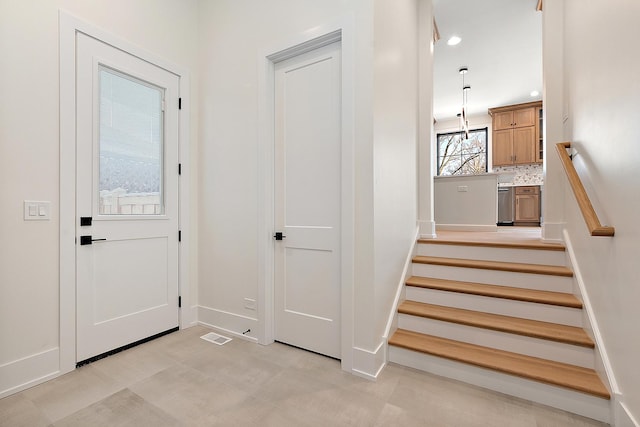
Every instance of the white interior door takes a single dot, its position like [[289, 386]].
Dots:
[[307, 200], [127, 189]]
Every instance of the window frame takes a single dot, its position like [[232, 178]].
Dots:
[[486, 149]]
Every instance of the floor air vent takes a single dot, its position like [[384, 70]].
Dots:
[[215, 338]]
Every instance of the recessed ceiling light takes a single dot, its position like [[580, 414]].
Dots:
[[454, 40], [534, 93]]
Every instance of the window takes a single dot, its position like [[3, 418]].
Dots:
[[459, 156], [131, 145]]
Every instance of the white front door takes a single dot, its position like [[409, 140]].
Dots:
[[307, 200], [127, 199]]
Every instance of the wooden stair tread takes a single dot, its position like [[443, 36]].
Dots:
[[517, 267], [546, 371], [514, 325], [495, 291], [512, 244]]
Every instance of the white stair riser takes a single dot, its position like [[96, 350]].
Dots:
[[557, 397], [530, 256], [545, 349], [506, 307], [542, 282]]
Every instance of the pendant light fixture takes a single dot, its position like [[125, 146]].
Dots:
[[464, 122]]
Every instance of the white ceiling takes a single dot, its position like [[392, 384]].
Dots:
[[502, 47]]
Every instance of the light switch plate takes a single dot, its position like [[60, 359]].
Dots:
[[37, 210]]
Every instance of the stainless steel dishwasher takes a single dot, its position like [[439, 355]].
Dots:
[[505, 205]]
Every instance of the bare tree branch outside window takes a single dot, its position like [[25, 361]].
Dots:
[[459, 156]]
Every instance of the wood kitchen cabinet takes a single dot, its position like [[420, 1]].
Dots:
[[514, 117], [516, 134], [539, 137], [527, 207]]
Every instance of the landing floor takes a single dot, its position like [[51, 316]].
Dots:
[[510, 236]]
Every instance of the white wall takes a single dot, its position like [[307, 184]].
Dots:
[[426, 160], [600, 65], [395, 147], [221, 43], [475, 122], [473, 209], [554, 92], [29, 154], [235, 37]]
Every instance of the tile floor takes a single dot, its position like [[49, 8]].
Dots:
[[182, 380]]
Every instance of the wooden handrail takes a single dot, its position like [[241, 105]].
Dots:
[[589, 214]]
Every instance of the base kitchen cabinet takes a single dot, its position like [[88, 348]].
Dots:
[[527, 205]]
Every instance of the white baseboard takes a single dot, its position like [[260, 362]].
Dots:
[[622, 416], [466, 227], [406, 273], [368, 364], [29, 371], [427, 229], [603, 365], [188, 316], [231, 323]]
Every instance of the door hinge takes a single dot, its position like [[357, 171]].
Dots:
[[179, 103], [179, 235], [179, 168], [179, 301]]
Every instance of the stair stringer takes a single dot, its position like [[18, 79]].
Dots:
[[400, 296], [590, 325]]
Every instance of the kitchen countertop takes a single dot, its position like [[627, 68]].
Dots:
[[479, 175], [487, 175], [511, 184]]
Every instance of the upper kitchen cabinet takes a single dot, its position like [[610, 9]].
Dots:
[[516, 130], [510, 117]]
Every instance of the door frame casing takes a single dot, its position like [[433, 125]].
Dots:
[[69, 26], [340, 30]]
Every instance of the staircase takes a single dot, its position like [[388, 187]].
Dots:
[[500, 315]]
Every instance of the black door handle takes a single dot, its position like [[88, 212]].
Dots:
[[279, 235], [87, 240]]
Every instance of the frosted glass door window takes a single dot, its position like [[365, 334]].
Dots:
[[130, 145]]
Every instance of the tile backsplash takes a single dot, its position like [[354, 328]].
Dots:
[[524, 174]]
